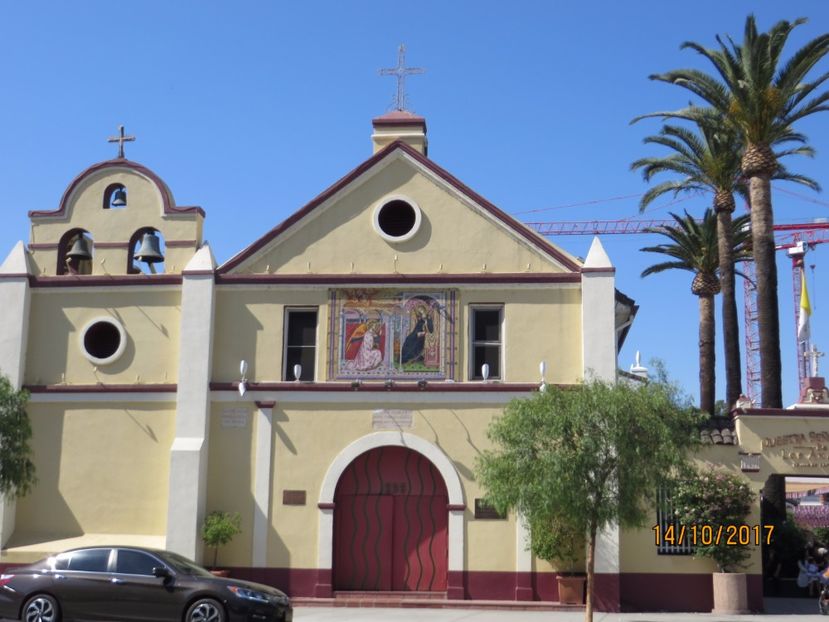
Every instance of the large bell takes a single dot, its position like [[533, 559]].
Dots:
[[119, 198], [150, 250], [80, 249]]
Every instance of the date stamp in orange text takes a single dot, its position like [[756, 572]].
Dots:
[[716, 535]]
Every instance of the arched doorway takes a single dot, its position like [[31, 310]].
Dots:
[[390, 523]]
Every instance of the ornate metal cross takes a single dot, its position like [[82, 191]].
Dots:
[[400, 72], [121, 140], [813, 355]]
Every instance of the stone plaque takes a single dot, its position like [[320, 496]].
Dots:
[[482, 510], [235, 418], [391, 419]]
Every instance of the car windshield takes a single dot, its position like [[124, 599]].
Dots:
[[184, 565]]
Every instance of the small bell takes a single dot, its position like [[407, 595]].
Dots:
[[80, 249], [119, 198], [150, 249]]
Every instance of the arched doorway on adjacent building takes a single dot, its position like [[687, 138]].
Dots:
[[391, 523]]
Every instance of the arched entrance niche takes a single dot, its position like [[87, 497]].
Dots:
[[391, 518]]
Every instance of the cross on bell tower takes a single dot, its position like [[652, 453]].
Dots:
[[812, 357], [400, 72], [121, 140]]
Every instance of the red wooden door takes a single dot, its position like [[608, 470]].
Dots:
[[390, 523]]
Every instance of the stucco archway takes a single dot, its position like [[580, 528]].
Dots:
[[395, 439]]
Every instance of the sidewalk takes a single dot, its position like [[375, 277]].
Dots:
[[803, 610]]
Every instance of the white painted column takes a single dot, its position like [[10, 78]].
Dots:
[[14, 332], [262, 483], [188, 455], [598, 286], [523, 560]]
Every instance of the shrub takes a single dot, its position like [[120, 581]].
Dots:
[[219, 529]]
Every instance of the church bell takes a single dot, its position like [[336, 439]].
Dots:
[[119, 198], [80, 249], [150, 250]]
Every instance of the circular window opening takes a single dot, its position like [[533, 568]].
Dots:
[[103, 341], [397, 220]]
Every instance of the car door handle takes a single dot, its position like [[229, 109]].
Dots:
[[59, 576], [116, 581]]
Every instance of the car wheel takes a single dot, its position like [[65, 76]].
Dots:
[[41, 608], [205, 610]]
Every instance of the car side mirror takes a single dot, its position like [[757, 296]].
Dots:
[[161, 572]]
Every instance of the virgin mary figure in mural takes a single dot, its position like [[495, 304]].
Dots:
[[413, 346], [368, 354]]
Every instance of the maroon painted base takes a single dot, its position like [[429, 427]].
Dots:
[[647, 591]]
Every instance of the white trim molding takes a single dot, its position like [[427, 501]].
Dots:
[[375, 218], [122, 340], [429, 451], [262, 485]]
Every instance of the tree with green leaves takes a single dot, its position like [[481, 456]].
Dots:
[[693, 247], [581, 459], [707, 158], [17, 471], [763, 98]]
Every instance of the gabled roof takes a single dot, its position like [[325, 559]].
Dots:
[[505, 219]]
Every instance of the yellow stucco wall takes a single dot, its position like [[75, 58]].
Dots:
[[85, 210], [150, 317], [638, 551], [250, 326], [101, 469], [341, 235]]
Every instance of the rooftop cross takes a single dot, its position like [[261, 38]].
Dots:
[[121, 140], [401, 71], [813, 355]]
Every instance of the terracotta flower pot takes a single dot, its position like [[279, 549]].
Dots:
[[571, 589], [730, 593]]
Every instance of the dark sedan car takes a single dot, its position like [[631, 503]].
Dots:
[[128, 583]]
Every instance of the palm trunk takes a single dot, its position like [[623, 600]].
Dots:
[[730, 321], [762, 237], [707, 353], [591, 563]]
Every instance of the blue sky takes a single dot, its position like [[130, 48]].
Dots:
[[249, 109]]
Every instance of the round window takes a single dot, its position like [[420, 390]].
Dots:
[[397, 219], [103, 340]]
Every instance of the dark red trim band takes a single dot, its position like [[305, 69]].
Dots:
[[325, 506], [782, 412], [339, 279], [169, 208], [265, 404], [598, 270], [377, 387], [508, 220], [43, 246], [181, 243], [456, 507], [101, 388], [111, 244], [77, 280]]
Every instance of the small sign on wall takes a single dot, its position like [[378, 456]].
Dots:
[[293, 497], [391, 419], [235, 418], [482, 510]]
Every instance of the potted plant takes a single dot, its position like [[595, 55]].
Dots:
[[718, 499], [218, 529], [554, 540]]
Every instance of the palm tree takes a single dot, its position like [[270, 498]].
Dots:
[[694, 247], [709, 160], [762, 99]]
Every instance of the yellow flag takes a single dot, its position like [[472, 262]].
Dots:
[[803, 332]]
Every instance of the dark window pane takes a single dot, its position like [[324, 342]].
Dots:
[[396, 218], [486, 354], [91, 560], [303, 356], [487, 325], [102, 340], [302, 328], [135, 562]]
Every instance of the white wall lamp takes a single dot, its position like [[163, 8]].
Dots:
[[542, 369], [297, 372], [485, 371], [243, 382]]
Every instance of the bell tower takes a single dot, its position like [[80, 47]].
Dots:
[[116, 218]]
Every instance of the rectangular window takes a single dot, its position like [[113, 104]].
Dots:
[[486, 341], [670, 539], [300, 343]]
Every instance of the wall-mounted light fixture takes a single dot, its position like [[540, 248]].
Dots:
[[485, 371], [297, 372], [243, 382], [542, 369]]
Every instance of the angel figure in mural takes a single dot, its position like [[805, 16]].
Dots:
[[423, 332], [366, 338]]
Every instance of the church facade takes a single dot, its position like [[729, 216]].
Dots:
[[332, 382]]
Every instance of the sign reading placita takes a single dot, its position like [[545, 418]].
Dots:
[[391, 419], [235, 418]]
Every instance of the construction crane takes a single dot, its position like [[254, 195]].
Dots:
[[797, 238]]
